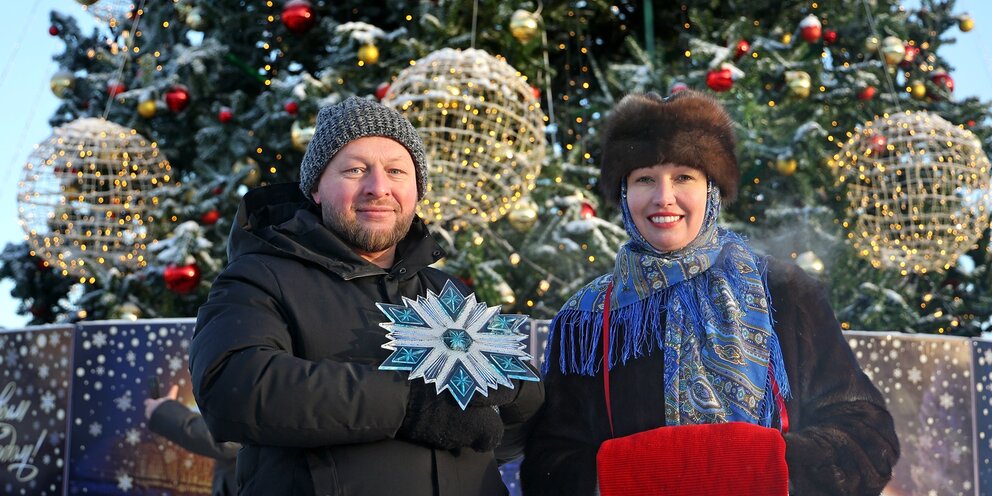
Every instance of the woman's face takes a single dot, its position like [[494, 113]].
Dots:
[[668, 204]]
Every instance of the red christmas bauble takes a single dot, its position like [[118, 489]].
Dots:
[[381, 90], [677, 88], [181, 279], [177, 98], [742, 48], [298, 16], [536, 92], [830, 36], [587, 211], [867, 93], [217, 190], [909, 57], [810, 29], [878, 143], [210, 217], [52, 30], [971, 123], [225, 115], [115, 88], [719, 79], [943, 80], [291, 107]]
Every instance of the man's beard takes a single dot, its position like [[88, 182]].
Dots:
[[362, 237]]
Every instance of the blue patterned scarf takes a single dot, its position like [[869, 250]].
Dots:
[[721, 353]]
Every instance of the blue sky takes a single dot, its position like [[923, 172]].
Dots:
[[26, 65]]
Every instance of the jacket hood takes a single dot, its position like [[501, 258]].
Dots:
[[279, 220]]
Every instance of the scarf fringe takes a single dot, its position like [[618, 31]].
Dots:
[[635, 332]]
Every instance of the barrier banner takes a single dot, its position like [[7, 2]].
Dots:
[[117, 366], [928, 384], [35, 367]]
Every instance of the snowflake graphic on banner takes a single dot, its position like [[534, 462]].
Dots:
[[455, 342]]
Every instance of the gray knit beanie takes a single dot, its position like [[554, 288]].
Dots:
[[344, 122]]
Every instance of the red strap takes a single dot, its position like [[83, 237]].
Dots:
[[783, 415], [779, 400], [606, 357]]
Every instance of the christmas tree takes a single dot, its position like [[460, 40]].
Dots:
[[888, 207]]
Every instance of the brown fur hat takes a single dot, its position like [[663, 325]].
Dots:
[[687, 128]]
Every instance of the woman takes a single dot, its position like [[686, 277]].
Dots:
[[701, 334]]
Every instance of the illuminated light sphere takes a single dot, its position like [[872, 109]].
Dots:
[[921, 202], [116, 13], [482, 128], [86, 195]]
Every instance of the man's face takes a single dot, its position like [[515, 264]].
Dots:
[[368, 194]]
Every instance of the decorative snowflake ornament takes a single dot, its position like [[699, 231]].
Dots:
[[456, 343]]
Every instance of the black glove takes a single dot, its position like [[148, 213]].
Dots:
[[437, 421]]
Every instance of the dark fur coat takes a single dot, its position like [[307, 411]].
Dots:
[[841, 440]]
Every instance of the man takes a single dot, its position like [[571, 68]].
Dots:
[[286, 352], [171, 419]]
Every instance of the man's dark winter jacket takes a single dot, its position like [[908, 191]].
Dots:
[[173, 421], [841, 438], [285, 361]]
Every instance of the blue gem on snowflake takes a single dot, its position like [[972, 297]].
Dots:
[[456, 340], [456, 343]]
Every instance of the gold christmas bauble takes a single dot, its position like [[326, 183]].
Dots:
[[966, 23], [871, 44], [809, 262], [147, 109], [195, 19], [799, 83], [786, 165], [248, 169], [301, 135], [61, 83], [523, 215], [368, 54], [893, 50], [918, 90], [128, 311], [506, 296], [524, 25]]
